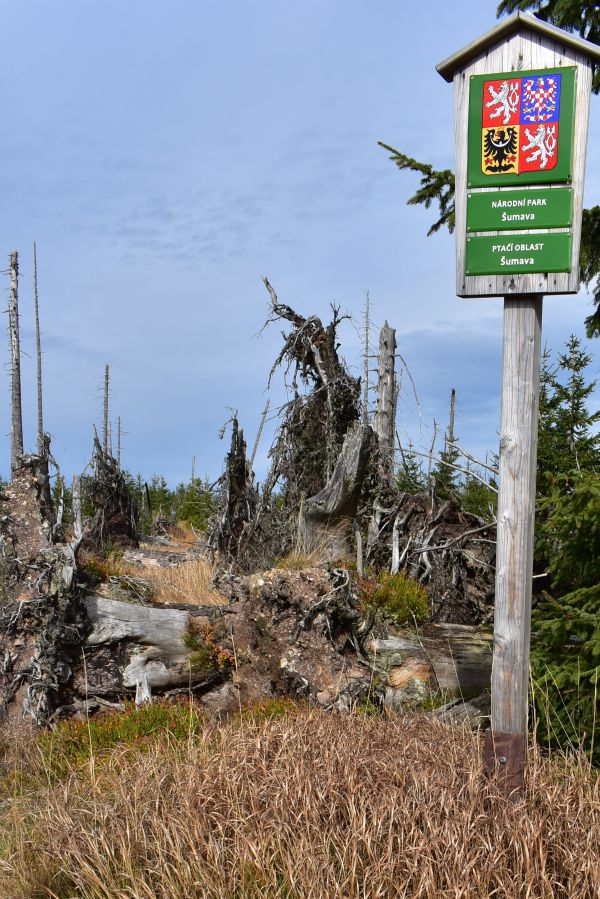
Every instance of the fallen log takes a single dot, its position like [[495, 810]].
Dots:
[[169, 647], [282, 633], [459, 656]]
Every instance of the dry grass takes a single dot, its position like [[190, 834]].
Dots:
[[189, 582], [180, 536], [303, 807], [302, 556]]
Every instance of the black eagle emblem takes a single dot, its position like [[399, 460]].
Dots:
[[499, 149]]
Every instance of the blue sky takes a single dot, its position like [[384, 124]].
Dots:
[[164, 156]]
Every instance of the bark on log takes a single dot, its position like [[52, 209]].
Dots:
[[168, 647], [460, 656]]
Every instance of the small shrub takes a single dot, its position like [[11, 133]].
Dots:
[[397, 595], [207, 655]]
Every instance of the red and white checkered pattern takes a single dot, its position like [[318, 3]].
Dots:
[[540, 99]]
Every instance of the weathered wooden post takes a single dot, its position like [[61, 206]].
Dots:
[[521, 104]]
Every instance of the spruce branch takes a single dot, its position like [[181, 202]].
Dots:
[[436, 187]]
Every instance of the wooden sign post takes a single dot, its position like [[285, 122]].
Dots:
[[522, 95]]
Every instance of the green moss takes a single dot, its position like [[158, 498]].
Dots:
[[396, 595]]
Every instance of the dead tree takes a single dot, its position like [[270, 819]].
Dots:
[[450, 439], [237, 504], [114, 518], [327, 518], [105, 437], [16, 421], [384, 492], [385, 415], [43, 439], [38, 356], [258, 436], [41, 624], [366, 361]]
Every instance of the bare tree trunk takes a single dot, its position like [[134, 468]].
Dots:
[[385, 416], [365, 403], [38, 354], [77, 520], [395, 567], [105, 416], [16, 424], [60, 507], [327, 516], [119, 441], [259, 434], [450, 439]]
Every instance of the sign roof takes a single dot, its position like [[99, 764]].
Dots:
[[519, 21]]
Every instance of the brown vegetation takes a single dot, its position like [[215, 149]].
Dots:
[[306, 806], [189, 582]]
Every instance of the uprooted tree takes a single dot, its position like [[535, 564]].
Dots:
[[113, 513], [338, 490], [68, 649]]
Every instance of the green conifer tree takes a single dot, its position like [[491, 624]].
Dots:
[[567, 438], [411, 478], [565, 656]]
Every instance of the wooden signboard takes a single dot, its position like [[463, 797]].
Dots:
[[522, 94], [521, 102]]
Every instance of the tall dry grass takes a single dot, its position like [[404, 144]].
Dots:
[[186, 582], [189, 582], [305, 807]]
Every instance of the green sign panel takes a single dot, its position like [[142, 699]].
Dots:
[[521, 127], [509, 210], [518, 254]]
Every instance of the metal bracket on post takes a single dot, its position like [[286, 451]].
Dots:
[[504, 757]]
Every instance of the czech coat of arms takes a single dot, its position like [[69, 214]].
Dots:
[[520, 124]]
